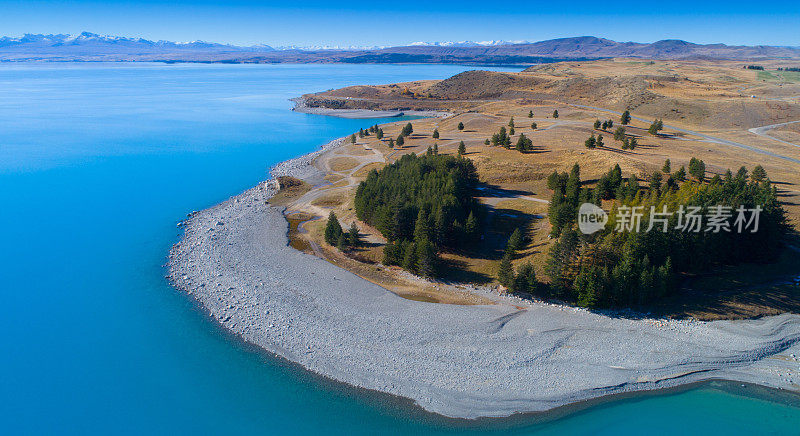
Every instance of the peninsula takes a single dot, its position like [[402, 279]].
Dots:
[[463, 342]]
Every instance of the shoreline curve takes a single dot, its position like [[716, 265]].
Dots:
[[456, 361]]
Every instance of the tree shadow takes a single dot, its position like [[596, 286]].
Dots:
[[454, 270]]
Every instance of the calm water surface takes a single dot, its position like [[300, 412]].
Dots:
[[98, 163]]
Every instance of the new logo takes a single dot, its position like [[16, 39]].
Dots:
[[591, 218]]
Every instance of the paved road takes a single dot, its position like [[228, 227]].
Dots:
[[762, 131], [702, 135]]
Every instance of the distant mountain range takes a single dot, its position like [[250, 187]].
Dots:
[[92, 47]]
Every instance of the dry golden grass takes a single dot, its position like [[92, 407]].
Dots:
[[342, 163], [713, 98]]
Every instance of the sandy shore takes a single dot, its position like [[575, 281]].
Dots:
[[459, 361]]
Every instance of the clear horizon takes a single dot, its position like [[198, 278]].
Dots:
[[361, 23]]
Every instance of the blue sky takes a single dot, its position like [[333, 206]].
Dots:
[[360, 22]]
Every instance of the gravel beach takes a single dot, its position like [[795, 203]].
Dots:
[[458, 361]]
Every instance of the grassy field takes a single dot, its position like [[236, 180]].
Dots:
[[712, 98], [780, 76]]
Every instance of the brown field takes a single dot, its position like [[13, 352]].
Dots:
[[720, 100]]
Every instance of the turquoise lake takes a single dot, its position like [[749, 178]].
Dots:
[[99, 162]]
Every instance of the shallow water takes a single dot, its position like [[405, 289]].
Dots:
[[98, 163]]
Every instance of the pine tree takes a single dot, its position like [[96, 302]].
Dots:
[[421, 228], [353, 236], [655, 182], [599, 142], [530, 114], [596, 124], [591, 142], [555, 113], [435, 133], [511, 122], [410, 257], [511, 131], [667, 168], [332, 229], [655, 127], [525, 280], [534, 126], [341, 242], [697, 168], [391, 142], [471, 227], [426, 259], [460, 125], [680, 175], [633, 144], [392, 253], [379, 134], [400, 141], [625, 118], [353, 138], [516, 241], [619, 134], [462, 148], [486, 142], [604, 126], [407, 130], [759, 174], [505, 273]]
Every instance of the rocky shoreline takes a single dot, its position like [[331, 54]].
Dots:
[[458, 361]]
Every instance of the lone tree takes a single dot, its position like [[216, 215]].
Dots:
[[625, 118], [530, 114], [667, 168], [591, 142], [435, 133], [460, 125], [333, 230], [534, 126], [462, 149], [555, 113], [353, 138]]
